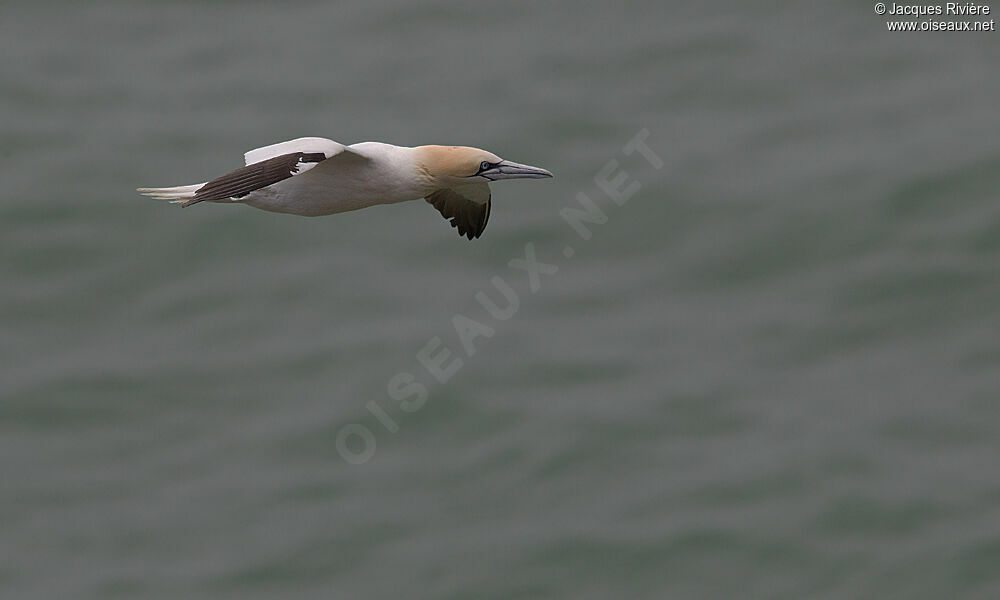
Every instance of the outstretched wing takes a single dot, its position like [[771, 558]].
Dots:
[[242, 181], [466, 206], [267, 166], [264, 166]]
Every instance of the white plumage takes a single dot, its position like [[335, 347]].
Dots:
[[306, 144]]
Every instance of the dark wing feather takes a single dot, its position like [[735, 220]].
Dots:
[[467, 207], [244, 180]]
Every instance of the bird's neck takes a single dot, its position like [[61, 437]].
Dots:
[[400, 168]]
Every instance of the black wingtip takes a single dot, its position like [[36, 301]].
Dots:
[[188, 203]]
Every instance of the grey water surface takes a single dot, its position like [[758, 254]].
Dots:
[[772, 372]]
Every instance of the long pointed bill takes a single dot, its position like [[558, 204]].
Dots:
[[511, 170]]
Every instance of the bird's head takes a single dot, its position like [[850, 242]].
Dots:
[[458, 165]]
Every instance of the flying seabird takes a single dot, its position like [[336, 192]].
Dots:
[[315, 176]]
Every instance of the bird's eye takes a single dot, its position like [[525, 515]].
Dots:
[[484, 165]]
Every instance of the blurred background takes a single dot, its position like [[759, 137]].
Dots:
[[772, 373]]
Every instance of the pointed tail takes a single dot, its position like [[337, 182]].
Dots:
[[181, 194]]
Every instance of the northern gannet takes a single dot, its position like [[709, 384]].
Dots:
[[315, 176]]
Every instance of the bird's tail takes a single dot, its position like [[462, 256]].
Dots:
[[181, 194]]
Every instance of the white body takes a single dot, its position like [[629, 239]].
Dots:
[[346, 182]]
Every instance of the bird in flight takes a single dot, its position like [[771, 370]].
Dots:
[[316, 176]]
